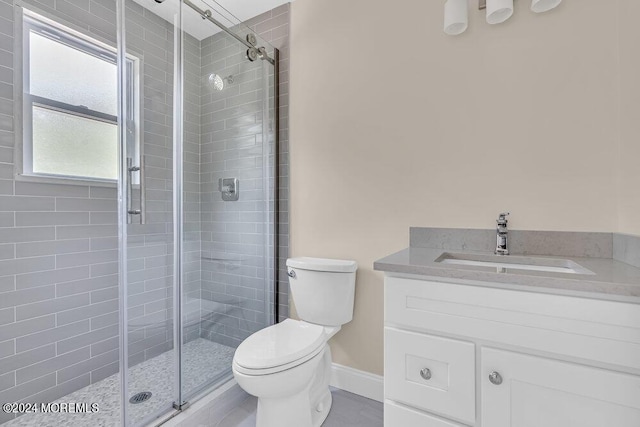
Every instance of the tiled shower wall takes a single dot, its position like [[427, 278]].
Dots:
[[150, 246], [233, 297], [58, 244], [273, 26], [232, 231]]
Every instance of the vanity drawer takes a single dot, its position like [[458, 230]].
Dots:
[[430, 373], [396, 415]]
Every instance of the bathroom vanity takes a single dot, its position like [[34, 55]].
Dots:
[[536, 339]]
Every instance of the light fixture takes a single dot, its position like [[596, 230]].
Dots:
[[499, 11], [456, 17], [539, 6]]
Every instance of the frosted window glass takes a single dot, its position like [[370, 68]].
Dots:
[[65, 74], [64, 144]]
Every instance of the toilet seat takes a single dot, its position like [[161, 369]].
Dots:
[[279, 347], [276, 369]]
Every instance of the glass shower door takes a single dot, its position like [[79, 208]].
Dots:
[[198, 209], [228, 193], [152, 75]]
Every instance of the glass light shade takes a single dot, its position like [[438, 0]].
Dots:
[[499, 11], [456, 17], [539, 6]]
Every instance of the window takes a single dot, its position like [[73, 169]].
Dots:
[[70, 124]]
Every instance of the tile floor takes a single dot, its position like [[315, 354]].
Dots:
[[203, 361], [238, 409]]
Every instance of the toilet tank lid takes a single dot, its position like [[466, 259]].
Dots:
[[323, 264]]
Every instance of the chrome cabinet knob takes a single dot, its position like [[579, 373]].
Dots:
[[495, 378], [425, 373]]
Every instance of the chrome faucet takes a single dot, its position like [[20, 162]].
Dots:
[[502, 242]]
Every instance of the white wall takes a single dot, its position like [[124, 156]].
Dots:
[[394, 124]]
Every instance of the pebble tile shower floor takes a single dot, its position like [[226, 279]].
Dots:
[[203, 361]]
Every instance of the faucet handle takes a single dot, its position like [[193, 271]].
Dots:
[[502, 218]]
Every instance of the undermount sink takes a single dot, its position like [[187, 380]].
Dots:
[[504, 262]]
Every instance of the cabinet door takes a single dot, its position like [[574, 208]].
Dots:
[[539, 392]]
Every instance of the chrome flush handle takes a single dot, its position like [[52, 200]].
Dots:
[[291, 273]]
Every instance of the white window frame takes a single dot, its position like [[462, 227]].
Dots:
[[32, 22]]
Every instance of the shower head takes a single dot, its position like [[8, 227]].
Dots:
[[217, 82]]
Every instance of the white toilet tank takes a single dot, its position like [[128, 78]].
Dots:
[[323, 289]]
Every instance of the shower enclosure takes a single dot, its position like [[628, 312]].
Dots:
[[137, 238]]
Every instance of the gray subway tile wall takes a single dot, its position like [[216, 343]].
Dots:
[[233, 303], [273, 26], [58, 244]]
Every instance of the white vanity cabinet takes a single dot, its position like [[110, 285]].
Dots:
[[459, 354]]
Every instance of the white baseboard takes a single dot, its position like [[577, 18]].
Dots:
[[358, 382]]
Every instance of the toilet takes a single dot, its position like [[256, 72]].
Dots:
[[287, 366]]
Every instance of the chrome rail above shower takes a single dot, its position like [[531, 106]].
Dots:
[[253, 52]]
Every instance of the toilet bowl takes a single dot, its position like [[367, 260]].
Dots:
[[290, 377], [288, 365]]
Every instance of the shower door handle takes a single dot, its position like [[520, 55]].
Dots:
[[131, 169]]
